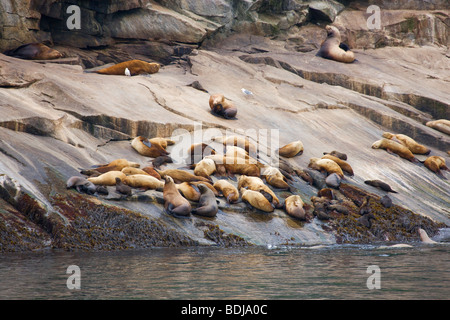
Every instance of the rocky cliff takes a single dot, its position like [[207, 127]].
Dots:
[[56, 118]]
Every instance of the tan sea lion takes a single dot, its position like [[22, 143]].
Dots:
[[116, 165], [345, 166], [198, 151], [435, 164], [180, 176], [207, 205], [256, 184], [174, 203], [221, 106], [146, 148], [408, 142], [107, 178], [291, 149], [34, 51], [394, 147], [236, 152], [424, 237], [131, 170], [330, 48], [442, 125], [163, 142], [325, 165], [188, 191], [257, 200], [294, 207], [143, 181], [238, 142], [205, 168], [231, 165], [134, 66], [275, 178], [229, 191]]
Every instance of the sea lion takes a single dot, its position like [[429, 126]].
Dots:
[[236, 152], [131, 170], [135, 66], [257, 200], [159, 161], [116, 165], [231, 165], [424, 237], [380, 184], [330, 48], [143, 181], [34, 51], [163, 142], [325, 165], [81, 184], [394, 147], [221, 106], [146, 148], [442, 125], [208, 184], [151, 171], [408, 142], [123, 188], [275, 178], [291, 149], [108, 178], [229, 191], [198, 151], [294, 207], [338, 154], [345, 166], [174, 203], [256, 184], [207, 205], [435, 164], [180, 176], [238, 142], [189, 191], [205, 168]]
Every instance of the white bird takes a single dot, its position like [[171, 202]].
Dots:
[[246, 92], [127, 72]]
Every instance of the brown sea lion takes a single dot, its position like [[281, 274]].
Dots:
[[229, 191], [144, 147], [143, 181], [122, 188], [207, 205], [205, 168], [442, 125], [198, 151], [325, 165], [380, 184], [134, 66], [257, 200], [345, 166], [189, 191], [174, 203], [408, 142], [330, 48], [221, 106], [435, 164], [208, 184], [159, 161], [151, 171], [291, 149], [338, 154], [116, 165], [180, 176], [394, 147], [294, 207], [107, 178], [34, 51], [256, 184]]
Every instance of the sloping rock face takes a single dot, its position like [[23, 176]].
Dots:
[[57, 119]]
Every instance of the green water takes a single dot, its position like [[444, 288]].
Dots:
[[329, 272]]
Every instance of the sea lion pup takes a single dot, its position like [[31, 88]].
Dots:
[[151, 171], [221, 106], [143, 181], [229, 191], [108, 178], [380, 184], [256, 184], [345, 166], [330, 48], [135, 66], [81, 184], [408, 142], [442, 125], [424, 237], [116, 165], [198, 151], [435, 164], [294, 207], [207, 205], [325, 165], [180, 176], [174, 203], [34, 51], [146, 148], [205, 168], [188, 191], [122, 188], [394, 147], [337, 154], [238, 142], [159, 161], [274, 178], [291, 149], [257, 200]]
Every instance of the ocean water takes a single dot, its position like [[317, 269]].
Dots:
[[336, 272]]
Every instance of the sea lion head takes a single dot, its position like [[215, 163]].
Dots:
[[332, 32], [202, 187], [168, 179], [387, 135], [376, 144]]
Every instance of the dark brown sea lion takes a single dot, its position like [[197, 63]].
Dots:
[[380, 184], [330, 48], [338, 154], [134, 66], [221, 106], [34, 51], [207, 203], [123, 188]]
